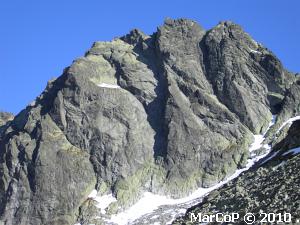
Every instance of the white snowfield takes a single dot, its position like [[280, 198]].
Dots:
[[105, 85], [150, 202]]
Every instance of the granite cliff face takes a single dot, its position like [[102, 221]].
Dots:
[[165, 113]]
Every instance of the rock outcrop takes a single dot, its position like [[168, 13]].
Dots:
[[5, 117], [165, 113]]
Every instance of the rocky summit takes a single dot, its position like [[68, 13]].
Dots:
[[166, 113], [5, 117]]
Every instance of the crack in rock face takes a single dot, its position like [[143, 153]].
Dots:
[[165, 114]]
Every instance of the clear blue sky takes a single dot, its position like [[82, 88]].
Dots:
[[38, 39]]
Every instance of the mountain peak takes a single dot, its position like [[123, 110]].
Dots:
[[167, 113]]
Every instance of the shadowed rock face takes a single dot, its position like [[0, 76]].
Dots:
[[165, 113]]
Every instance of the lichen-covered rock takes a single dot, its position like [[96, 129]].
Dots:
[[166, 113], [44, 178]]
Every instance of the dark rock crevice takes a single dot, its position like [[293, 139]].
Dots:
[[33, 163], [148, 54]]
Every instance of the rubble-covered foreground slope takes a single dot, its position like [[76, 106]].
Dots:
[[165, 113], [270, 187]]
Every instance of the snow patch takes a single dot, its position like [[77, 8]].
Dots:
[[93, 194], [259, 139], [105, 85], [274, 154], [150, 202], [294, 151], [254, 51], [289, 122], [102, 202]]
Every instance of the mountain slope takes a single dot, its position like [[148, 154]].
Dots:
[[165, 113], [271, 187]]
